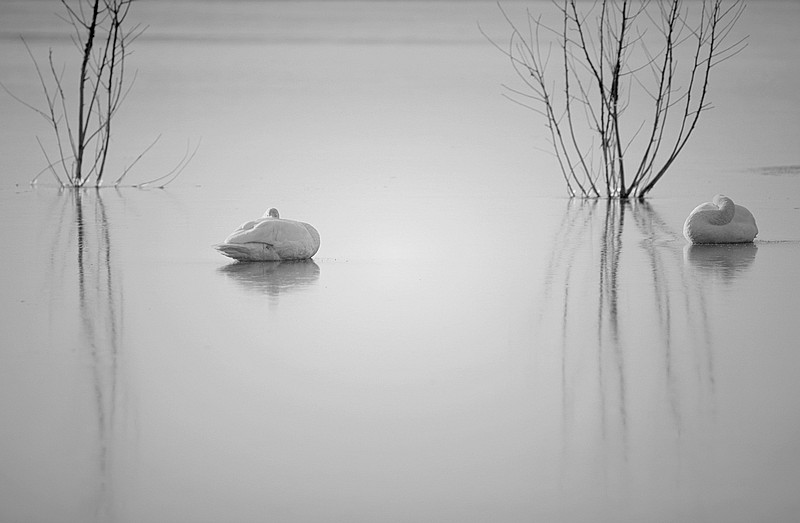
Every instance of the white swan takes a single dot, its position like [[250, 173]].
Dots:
[[271, 238], [720, 222]]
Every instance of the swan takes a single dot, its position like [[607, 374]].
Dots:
[[720, 221], [271, 238]]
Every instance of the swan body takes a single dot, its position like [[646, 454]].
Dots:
[[271, 238], [720, 221]]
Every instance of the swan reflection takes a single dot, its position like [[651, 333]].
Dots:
[[725, 260], [275, 277]]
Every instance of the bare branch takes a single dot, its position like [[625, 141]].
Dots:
[[174, 173]]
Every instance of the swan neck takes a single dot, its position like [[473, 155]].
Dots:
[[726, 210]]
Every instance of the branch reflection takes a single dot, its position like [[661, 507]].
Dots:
[[634, 342], [84, 235]]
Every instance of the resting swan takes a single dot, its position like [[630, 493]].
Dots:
[[271, 238], [720, 222]]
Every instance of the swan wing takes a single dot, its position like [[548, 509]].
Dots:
[[743, 215], [268, 230]]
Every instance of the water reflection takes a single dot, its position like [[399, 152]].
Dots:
[[273, 278], [84, 235], [726, 261], [633, 342]]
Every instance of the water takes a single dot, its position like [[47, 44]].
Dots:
[[466, 346]]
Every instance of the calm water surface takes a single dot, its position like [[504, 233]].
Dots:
[[557, 361], [466, 346]]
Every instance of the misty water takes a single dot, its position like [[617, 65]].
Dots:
[[467, 345]]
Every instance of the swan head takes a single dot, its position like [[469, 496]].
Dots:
[[720, 199], [272, 213]]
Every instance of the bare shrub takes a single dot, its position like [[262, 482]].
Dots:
[[632, 79], [81, 114]]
